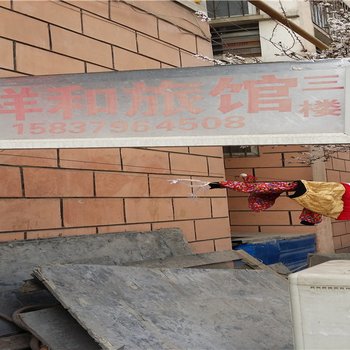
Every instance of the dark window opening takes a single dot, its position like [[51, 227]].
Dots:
[[241, 151]]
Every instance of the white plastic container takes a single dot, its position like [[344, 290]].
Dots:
[[320, 303]]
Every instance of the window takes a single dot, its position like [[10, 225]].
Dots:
[[221, 8], [242, 40], [319, 12], [241, 151]]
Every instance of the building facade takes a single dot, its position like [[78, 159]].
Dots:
[[56, 192], [238, 28]]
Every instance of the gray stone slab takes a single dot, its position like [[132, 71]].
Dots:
[[12, 300], [141, 308], [194, 260], [20, 257], [57, 329], [15, 342]]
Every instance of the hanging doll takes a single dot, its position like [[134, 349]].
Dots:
[[330, 199]]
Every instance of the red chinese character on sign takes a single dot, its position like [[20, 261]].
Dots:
[[101, 101], [324, 82], [269, 94], [66, 100], [321, 108], [179, 97], [226, 104], [19, 103], [171, 97]]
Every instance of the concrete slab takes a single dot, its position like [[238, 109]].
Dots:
[[143, 308]]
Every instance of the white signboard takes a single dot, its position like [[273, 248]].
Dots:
[[255, 104]]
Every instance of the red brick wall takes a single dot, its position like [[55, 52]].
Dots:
[[274, 163], [46, 193], [338, 169]]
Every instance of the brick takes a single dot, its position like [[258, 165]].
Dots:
[[337, 242], [237, 230], [189, 59], [329, 164], [343, 250], [142, 160], [238, 203], [39, 62], [148, 209], [212, 228], [284, 174], [138, 20], [92, 211], [204, 47], [180, 15], [82, 47], [216, 167], [232, 193], [110, 32], [26, 157], [291, 160], [171, 149], [57, 183], [265, 160], [177, 37], [344, 177], [219, 207], [124, 228], [207, 151], [21, 28], [5, 3], [11, 236], [300, 229], [347, 165], [344, 155], [93, 68], [223, 244], [9, 74], [234, 174], [6, 54], [283, 149], [191, 208], [338, 164], [61, 232], [164, 65], [97, 7], [347, 224], [127, 60], [202, 247], [29, 214], [345, 241], [121, 185], [54, 12], [333, 176], [188, 164], [158, 50], [10, 182], [339, 228], [186, 227], [262, 218], [161, 186], [285, 203], [93, 158]]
